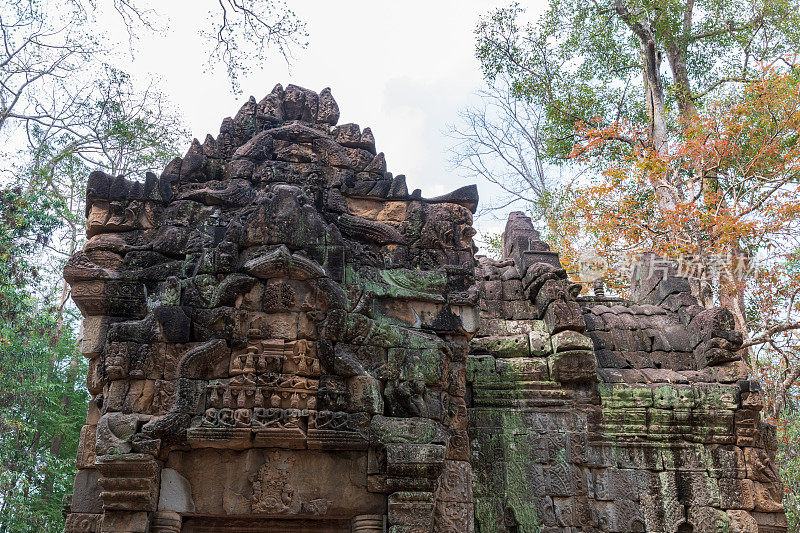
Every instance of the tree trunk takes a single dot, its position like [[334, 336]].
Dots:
[[680, 76], [655, 95]]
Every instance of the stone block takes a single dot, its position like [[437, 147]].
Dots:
[[93, 335], [86, 492], [522, 368], [86, 444], [561, 315], [704, 325], [674, 397], [175, 493], [365, 395], [414, 460], [736, 493], [741, 521], [129, 482], [83, 523], [771, 522], [411, 509], [622, 515], [413, 430], [706, 519], [455, 482], [512, 290], [730, 372], [493, 290], [123, 521], [612, 484], [573, 366], [453, 517], [413, 364], [571, 340], [768, 497], [539, 341], [504, 346]]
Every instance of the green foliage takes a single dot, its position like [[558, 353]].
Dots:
[[582, 63], [42, 401], [494, 245], [771, 373], [112, 126], [788, 460]]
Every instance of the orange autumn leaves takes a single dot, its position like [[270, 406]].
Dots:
[[726, 180]]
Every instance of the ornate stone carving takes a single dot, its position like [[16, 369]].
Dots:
[[303, 345], [272, 492], [83, 523], [129, 482], [368, 524], [166, 522]]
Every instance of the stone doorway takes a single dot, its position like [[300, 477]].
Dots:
[[264, 525], [358, 524]]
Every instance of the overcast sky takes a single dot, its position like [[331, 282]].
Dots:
[[402, 68]]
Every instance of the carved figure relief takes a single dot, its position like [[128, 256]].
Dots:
[[272, 492]]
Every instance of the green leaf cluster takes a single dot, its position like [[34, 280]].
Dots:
[[583, 63], [42, 398]]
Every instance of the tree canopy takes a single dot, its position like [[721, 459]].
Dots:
[[645, 62]]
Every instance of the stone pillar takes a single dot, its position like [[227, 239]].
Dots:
[[411, 510], [166, 522], [130, 491], [368, 523]]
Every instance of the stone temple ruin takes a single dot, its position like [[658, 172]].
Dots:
[[282, 338]]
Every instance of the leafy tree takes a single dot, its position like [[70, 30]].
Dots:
[[125, 132], [625, 80], [788, 460], [638, 61], [43, 403], [752, 146], [649, 64]]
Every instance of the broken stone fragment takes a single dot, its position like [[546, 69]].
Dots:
[[570, 340], [300, 104], [194, 165], [328, 112], [270, 108], [466, 196], [502, 346]]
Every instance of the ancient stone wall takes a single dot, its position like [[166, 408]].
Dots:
[[602, 414], [282, 338], [277, 334]]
